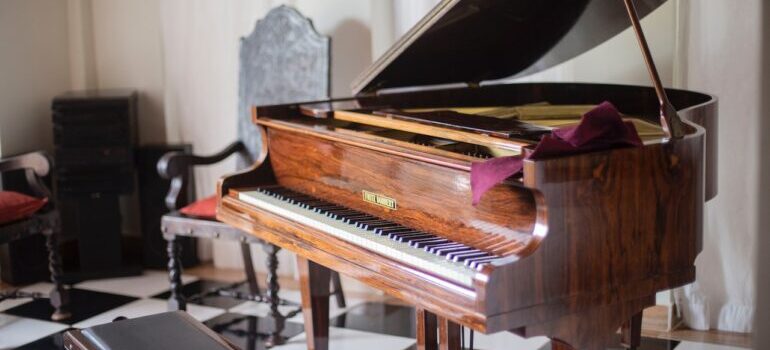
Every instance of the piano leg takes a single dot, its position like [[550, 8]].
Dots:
[[426, 330], [558, 345], [448, 334], [631, 332], [314, 282]]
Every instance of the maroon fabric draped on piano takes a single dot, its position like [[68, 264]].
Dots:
[[600, 128]]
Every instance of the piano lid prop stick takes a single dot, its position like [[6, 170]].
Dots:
[[669, 118]]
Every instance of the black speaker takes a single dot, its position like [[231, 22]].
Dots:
[[152, 193], [95, 133]]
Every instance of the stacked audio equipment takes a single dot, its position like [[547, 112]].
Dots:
[[95, 133]]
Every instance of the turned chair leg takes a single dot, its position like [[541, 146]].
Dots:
[[176, 300], [272, 295], [339, 295], [631, 332], [59, 295]]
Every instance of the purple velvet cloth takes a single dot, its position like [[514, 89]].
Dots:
[[600, 128]]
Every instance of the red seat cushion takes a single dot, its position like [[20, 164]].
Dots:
[[204, 209], [16, 206]]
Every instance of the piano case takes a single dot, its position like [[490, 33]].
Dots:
[[581, 243]]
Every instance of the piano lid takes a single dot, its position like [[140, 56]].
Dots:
[[470, 41]]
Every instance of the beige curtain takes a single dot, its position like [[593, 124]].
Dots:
[[722, 52]]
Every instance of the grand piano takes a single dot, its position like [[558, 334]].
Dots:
[[378, 186]]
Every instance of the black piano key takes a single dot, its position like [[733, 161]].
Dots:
[[403, 233], [445, 251], [428, 243], [352, 220], [434, 248], [413, 239], [361, 222], [371, 225], [323, 210], [389, 230], [334, 214], [470, 252], [320, 204], [407, 238], [320, 209], [463, 257], [394, 234], [477, 263]]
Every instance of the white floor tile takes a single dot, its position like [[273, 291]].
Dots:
[[42, 287], [12, 303], [261, 309], [144, 307], [348, 339], [701, 346], [15, 331], [507, 341], [251, 308], [148, 284]]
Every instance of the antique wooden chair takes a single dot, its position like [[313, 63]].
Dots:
[[22, 216], [283, 60]]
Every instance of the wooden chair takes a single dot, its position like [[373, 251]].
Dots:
[[283, 60], [40, 217]]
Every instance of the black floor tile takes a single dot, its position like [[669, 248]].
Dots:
[[250, 332], [51, 342], [84, 304], [379, 318], [198, 287], [652, 344]]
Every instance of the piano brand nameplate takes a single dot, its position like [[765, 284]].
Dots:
[[378, 199]]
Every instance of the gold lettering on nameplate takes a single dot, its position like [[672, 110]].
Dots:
[[379, 199]]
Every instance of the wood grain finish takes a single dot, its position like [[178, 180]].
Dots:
[[314, 286], [428, 198], [448, 335], [436, 131], [589, 239], [427, 330]]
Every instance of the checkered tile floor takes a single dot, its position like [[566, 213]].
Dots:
[[24, 324]]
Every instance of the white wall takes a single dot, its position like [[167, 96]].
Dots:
[[762, 318], [127, 54], [34, 67]]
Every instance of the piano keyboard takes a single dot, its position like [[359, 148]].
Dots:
[[451, 260]]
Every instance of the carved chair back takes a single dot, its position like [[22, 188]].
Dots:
[[283, 60]]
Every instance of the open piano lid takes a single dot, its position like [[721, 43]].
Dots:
[[470, 41]]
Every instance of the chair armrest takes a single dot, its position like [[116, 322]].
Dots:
[[39, 162], [176, 165], [35, 165]]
